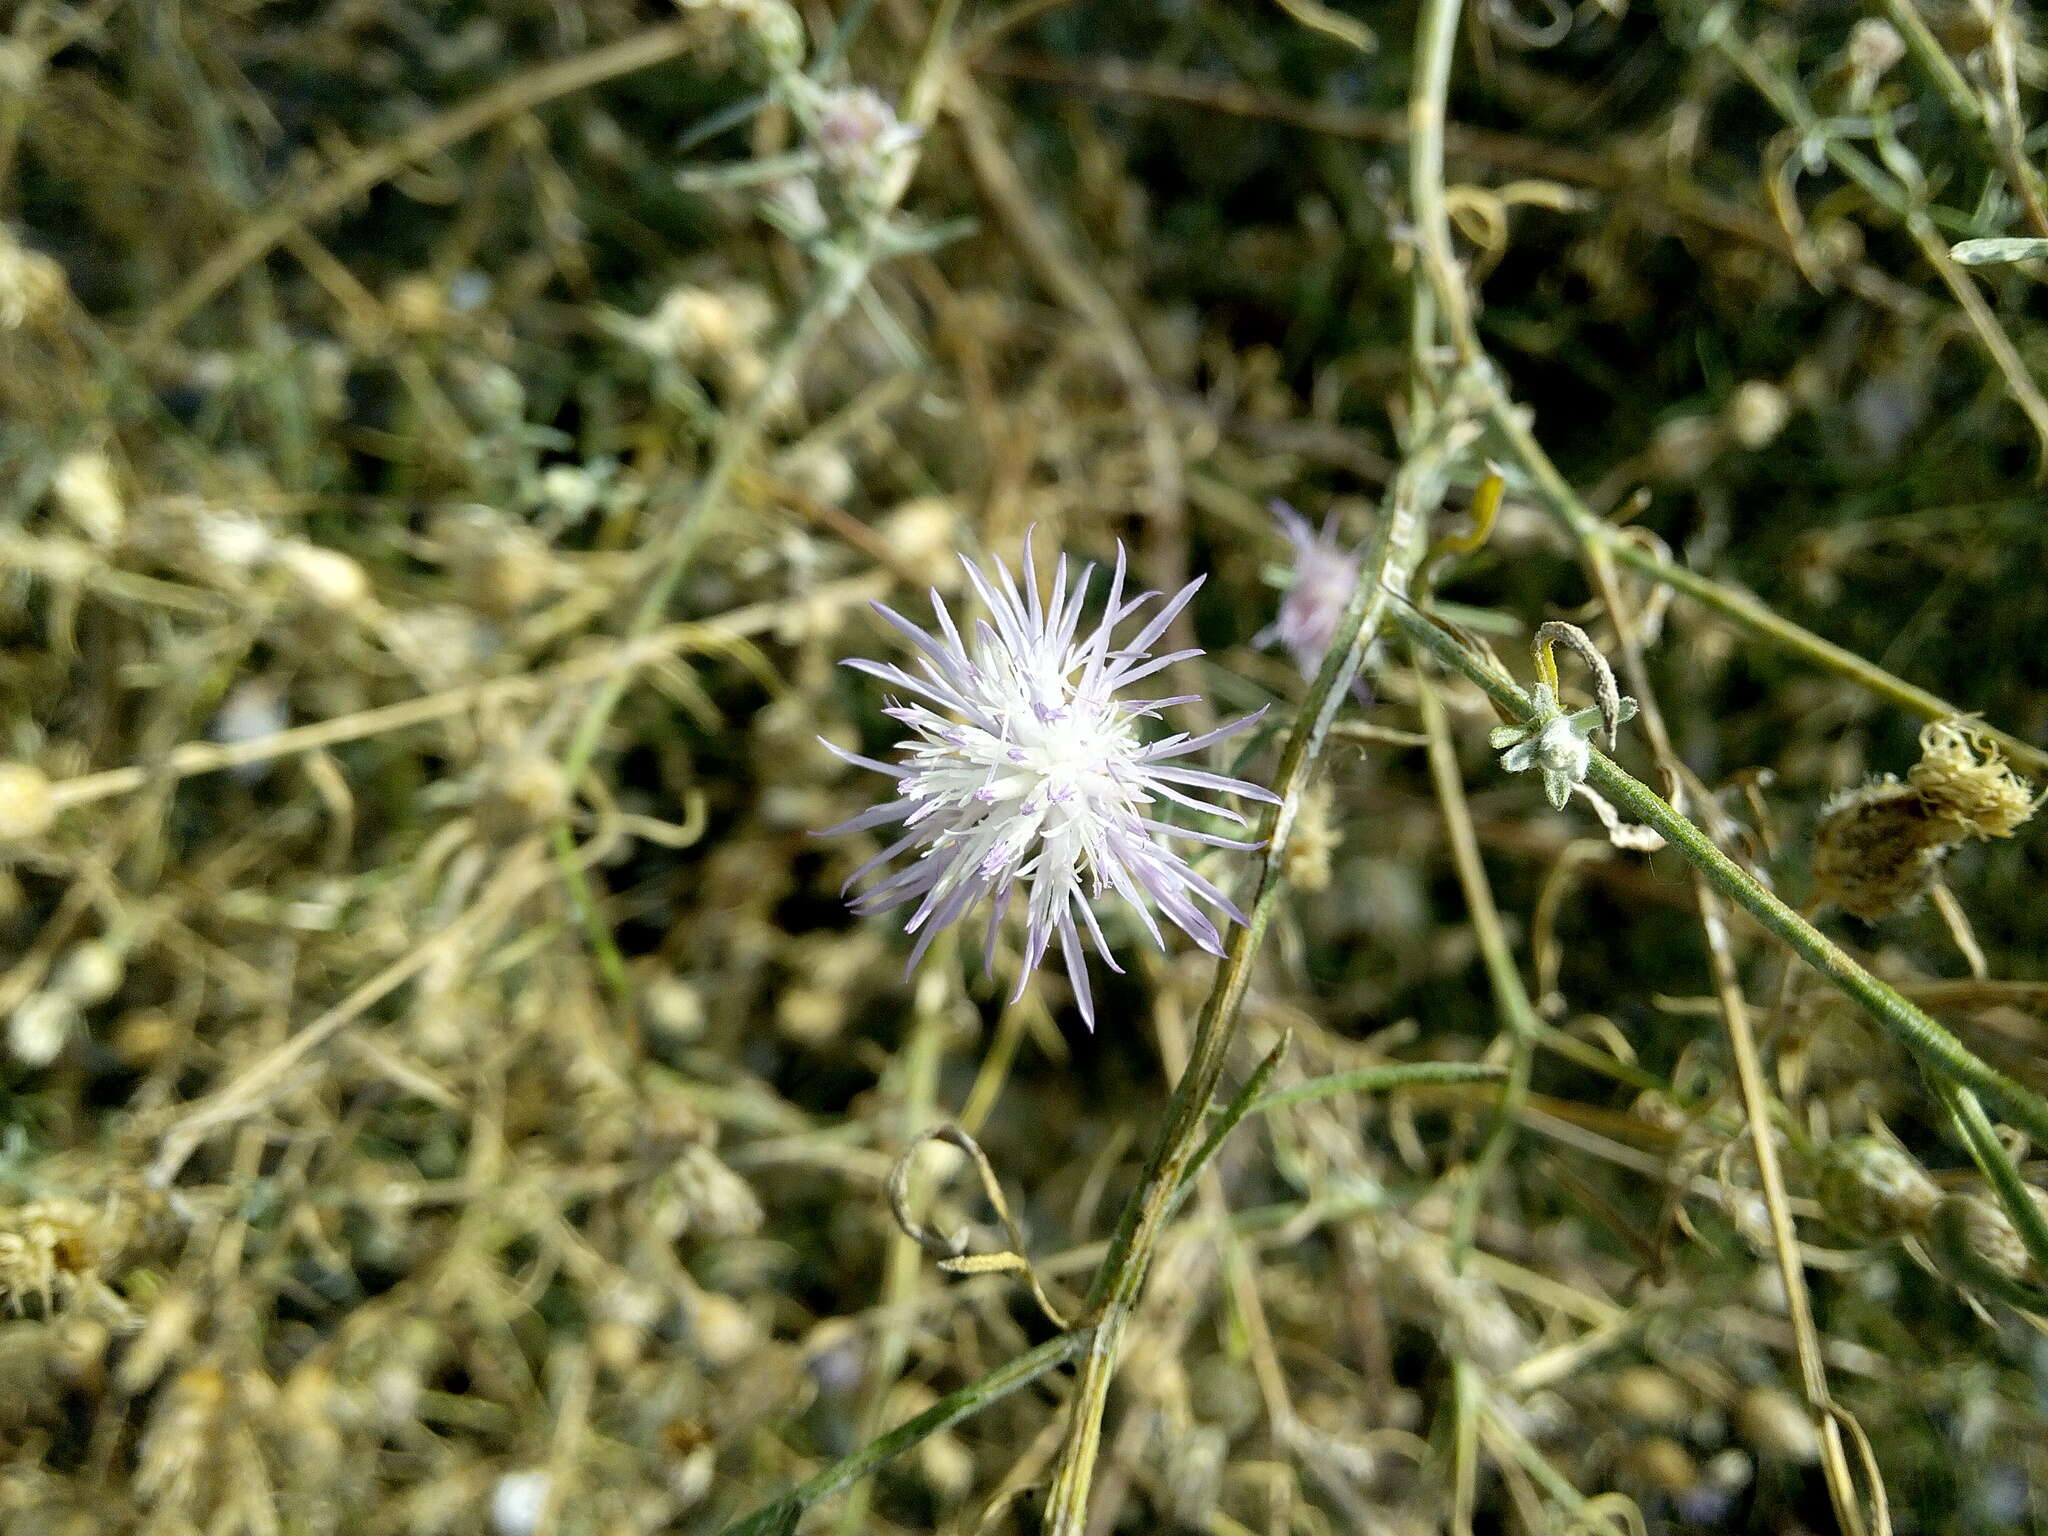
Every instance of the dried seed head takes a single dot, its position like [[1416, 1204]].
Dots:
[[708, 1199], [823, 473], [444, 644], [40, 1027], [1222, 1391], [1986, 1235], [518, 1500], [324, 577], [1876, 849], [57, 1248], [501, 568], [723, 1330], [1756, 413], [571, 489], [1873, 1191], [1874, 47], [1964, 780], [770, 30], [1659, 1462], [31, 283], [697, 326], [520, 792], [745, 373], [26, 805], [417, 305], [85, 494], [1683, 448], [1777, 1424], [224, 545], [89, 973], [490, 389], [924, 534], [1651, 1396], [673, 1007]]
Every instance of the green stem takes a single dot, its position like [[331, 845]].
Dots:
[[1510, 998], [780, 1518], [1397, 548], [1908, 205], [1416, 1074], [845, 265], [1251, 1101], [1989, 1153], [1744, 611], [1934, 1047]]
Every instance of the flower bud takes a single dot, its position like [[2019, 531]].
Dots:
[[325, 577], [1756, 413], [521, 792], [40, 1028], [26, 805], [1985, 1234], [1651, 1396], [517, 1501], [1874, 47], [1876, 850], [1661, 1463], [30, 283], [1777, 1424], [83, 490], [1871, 1190], [90, 973]]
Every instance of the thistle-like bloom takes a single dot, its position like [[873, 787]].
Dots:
[[1317, 590], [1026, 772]]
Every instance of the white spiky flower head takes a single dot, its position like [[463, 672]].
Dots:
[[1026, 770]]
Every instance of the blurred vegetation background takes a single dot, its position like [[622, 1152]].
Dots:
[[445, 450]]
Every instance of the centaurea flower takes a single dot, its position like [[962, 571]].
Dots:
[[1026, 772], [1317, 590]]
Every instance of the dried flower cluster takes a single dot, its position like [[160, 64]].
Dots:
[[1877, 848]]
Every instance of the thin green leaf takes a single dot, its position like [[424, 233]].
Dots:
[[1381, 1079], [1997, 252], [780, 1518]]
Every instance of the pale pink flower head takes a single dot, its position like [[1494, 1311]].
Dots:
[[1026, 772], [1317, 590]]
